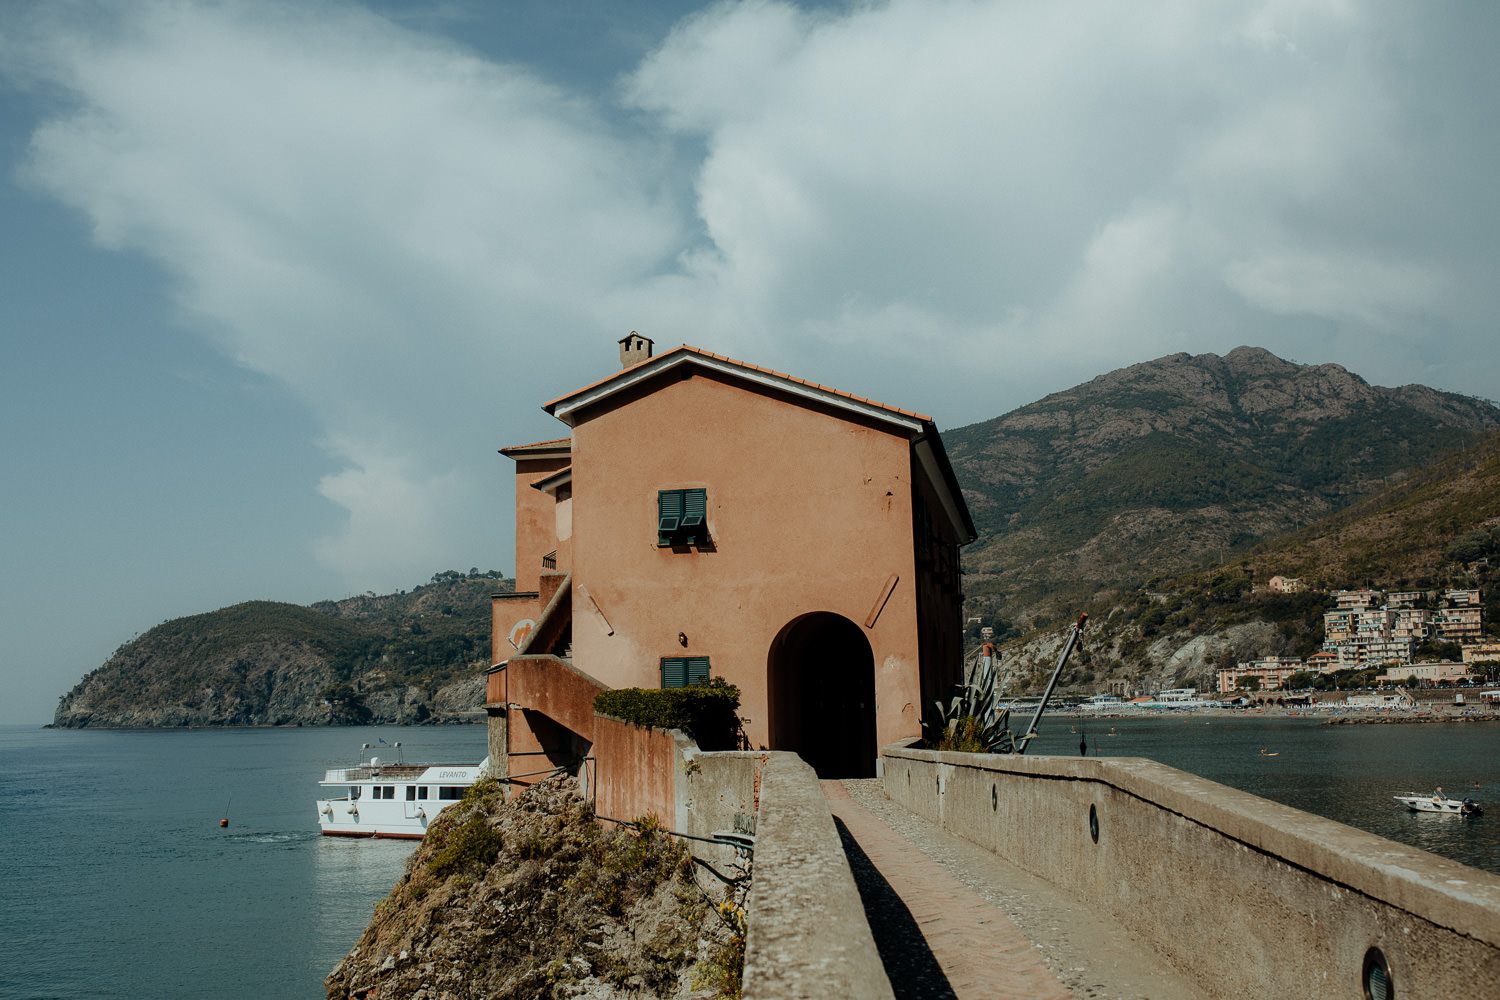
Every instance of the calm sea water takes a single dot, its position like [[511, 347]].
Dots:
[[119, 883], [1346, 773]]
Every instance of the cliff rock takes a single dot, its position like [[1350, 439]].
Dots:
[[533, 898]]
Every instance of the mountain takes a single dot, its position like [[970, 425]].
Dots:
[[1170, 465], [1438, 527], [417, 656]]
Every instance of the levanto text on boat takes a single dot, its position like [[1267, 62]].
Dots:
[[392, 800]]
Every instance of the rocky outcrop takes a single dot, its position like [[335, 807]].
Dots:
[[295, 697], [1180, 659], [407, 658], [534, 898]]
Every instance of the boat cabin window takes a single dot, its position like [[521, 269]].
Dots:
[[450, 792], [421, 791], [411, 793], [385, 792], [354, 792]]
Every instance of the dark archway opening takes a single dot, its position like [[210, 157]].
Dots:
[[821, 676]]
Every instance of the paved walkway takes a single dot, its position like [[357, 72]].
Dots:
[[952, 920], [937, 937]]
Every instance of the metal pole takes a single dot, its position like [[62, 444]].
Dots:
[[1052, 683]]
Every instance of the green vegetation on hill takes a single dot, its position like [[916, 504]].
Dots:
[[363, 658], [1438, 527], [1173, 465]]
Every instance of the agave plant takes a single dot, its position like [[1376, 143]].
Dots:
[[974, 719]]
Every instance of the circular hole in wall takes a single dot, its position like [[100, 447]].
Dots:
[[1377, 977], [1094, 824]]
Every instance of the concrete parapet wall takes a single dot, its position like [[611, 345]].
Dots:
[[807, 933], [1246, 896], [716, 791]]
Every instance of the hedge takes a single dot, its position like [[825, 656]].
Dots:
[[705, 712]]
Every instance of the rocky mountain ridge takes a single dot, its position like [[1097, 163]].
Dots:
[[1167, 465]]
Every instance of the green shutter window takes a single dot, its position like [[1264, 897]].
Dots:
[[668, 514], [673, 671], [694, 513], [681, 517], [680, 671]]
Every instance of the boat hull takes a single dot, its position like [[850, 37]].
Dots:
[[1444, 806], [373, 834]]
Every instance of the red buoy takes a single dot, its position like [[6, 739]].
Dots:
[[224, 821]]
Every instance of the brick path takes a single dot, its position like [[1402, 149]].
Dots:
[[937, 937]]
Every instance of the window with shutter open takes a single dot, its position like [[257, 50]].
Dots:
[[682, 517]]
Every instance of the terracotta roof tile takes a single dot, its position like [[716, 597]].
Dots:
[[747, 365], [552, 445]]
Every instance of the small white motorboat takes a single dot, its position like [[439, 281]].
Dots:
[[1437, 802]]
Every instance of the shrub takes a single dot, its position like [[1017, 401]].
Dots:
[[705, 712], [475, 844]]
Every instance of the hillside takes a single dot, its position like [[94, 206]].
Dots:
[[1167, 466], [416, 656], [1438, 527]]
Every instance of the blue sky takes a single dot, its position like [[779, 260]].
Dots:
[[277, 280]]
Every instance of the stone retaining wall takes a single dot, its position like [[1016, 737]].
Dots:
[[1245, 896], [807, 932]]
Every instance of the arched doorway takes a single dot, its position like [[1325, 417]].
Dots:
[[821, 678]]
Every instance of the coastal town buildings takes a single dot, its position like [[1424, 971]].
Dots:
[[1371, 628], [1425, 673], [1271, 672], [1482, 652], [708, 518]]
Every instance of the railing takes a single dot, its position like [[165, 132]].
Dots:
[[392, 772], [549, 561]]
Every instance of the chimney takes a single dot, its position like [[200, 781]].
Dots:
[[634, 349]]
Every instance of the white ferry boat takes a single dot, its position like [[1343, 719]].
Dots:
[[398, 799]]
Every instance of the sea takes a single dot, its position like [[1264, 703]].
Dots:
[[119, 882]]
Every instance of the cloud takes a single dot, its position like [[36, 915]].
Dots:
[[1006, 187], [951, 206], [400, 231], [1374, 293]]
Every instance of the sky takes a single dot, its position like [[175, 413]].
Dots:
[[278, 279]]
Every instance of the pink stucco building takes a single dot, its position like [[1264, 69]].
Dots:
[[708, 517]]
